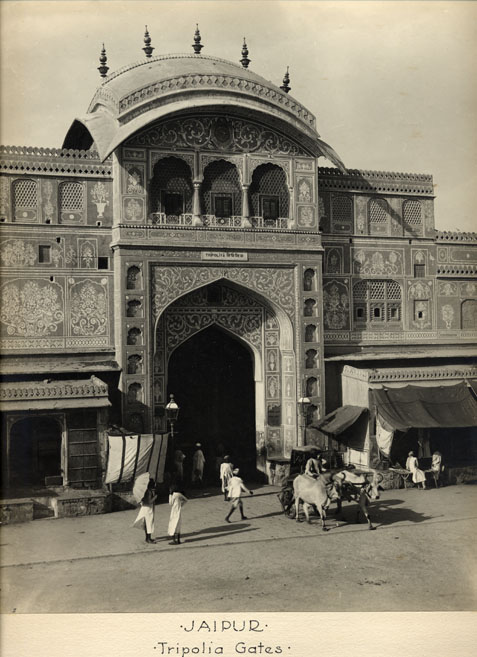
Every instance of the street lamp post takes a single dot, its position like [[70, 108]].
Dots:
[[172, 411], [303, 404]]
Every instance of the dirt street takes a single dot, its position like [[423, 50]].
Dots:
[[421, 557]]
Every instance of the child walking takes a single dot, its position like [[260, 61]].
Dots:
[[176, 501]]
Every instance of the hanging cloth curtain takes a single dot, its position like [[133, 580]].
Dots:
[[384, 436], [132, 455]]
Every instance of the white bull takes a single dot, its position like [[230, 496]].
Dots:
[[361, 487], [315, 492]]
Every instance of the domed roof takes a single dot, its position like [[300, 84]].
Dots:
[[143, 92]]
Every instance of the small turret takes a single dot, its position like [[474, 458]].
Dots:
[[147, 44], [286, 82], [102, 68], [245, 61], [197, 44]]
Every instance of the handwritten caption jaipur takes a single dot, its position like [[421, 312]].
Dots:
[[222, 637]]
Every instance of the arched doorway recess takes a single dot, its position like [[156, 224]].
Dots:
[[266, 334], [214, 373], [34, 451]]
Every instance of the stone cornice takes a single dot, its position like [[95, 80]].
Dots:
[[53, 161], [410, 374], [376, 181], [47, 389]]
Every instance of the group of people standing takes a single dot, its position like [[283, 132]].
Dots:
[[198, 463], [418, 475], [145, 517], [232, 487]]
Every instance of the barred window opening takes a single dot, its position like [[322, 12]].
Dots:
[[71, 196], [412, 216], [379, 215], [377, 302], [342, 214]]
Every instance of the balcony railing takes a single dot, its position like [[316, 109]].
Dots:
[[212, 221]]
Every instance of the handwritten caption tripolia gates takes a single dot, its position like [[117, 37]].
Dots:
[[198, 639]]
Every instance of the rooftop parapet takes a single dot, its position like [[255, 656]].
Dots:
[[455, 236], [56, 161], [376, 181]]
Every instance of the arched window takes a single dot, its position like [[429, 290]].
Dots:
[[134, 308], [311, 359], [412, 216], [135, 364], [379, 216], [309, 280], [269, 193], [221, 190], [469, 314], [134, 393], [134, 278], [342, 214], [171, 188], [134, 336], [25, 200], [310, 307], [310, 333], [377, 302]]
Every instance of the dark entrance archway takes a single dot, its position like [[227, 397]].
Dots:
[[211, 376], [35, 451]]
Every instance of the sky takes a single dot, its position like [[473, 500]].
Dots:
[[392, 84]]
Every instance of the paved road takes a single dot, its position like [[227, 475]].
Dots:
[[422, 557]]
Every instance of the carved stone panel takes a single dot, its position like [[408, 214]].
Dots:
[[169, 283]]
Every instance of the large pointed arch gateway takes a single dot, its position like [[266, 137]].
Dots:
[[227, 354]]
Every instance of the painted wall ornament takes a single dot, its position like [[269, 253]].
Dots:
[[88, 255], [335, 306], [48, 208], [469, 290], [304, 191], [134, 178], [17, 253], [4, 197], [306, 216], [100, 197], [447, 313], [134, 209], [89, 307], [419, 291], [377, 263], [32, 308], [447, 289]]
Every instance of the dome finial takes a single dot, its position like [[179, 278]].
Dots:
[[286, 82], [147, 44], [103, 69], [197, 45], [245, 61]]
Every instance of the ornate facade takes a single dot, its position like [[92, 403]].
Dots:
[[190, 197]]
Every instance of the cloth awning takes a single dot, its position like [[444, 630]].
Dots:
[[339, 420], [426, 407]]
